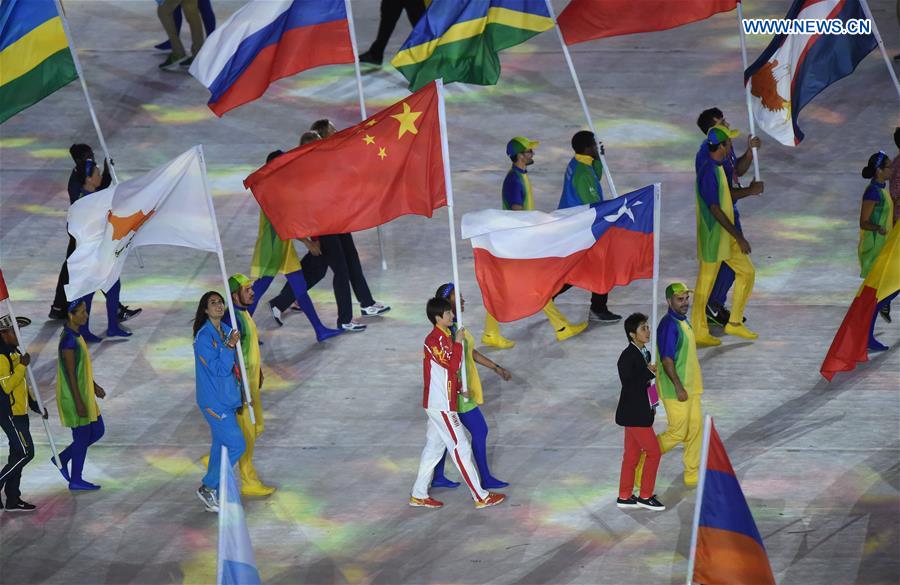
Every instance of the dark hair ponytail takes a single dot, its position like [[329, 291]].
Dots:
[[877, 162]]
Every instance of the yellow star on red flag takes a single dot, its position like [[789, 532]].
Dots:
[[407, 121]]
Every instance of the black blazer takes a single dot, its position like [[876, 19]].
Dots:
[[634, 406]]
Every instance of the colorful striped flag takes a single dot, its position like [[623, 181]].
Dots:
[[267, 40], [729, 549], [35, 59], [523, 258], [459, 41], [850, 345]]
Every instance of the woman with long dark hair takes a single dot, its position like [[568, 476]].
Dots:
[[218, 389], [876, 219]]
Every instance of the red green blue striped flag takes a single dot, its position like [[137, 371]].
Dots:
[[459, 41], [35, 59]]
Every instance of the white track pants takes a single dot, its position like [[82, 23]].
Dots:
[[445, 431]]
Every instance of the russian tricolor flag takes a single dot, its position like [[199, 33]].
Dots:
[[268, 40], [729, 549], [523, 258]]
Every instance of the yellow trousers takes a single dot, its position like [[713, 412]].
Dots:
[[685, 426], [251, 432], [554, 315], [744, 277]]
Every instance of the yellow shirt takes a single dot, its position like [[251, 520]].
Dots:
[[12, 380]]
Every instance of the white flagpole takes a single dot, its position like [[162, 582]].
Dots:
[[448, 185], [240, 352], [224, 462], [654, 311], [584, 106], [362, 105], [740, 17], [887, 60], [32, 383], [704, 454], [90, 104]]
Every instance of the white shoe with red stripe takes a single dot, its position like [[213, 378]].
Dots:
[[428, 502], [492, 499]]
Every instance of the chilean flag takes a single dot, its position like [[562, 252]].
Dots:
[[796, 68], [268, 40], [523, 258], [729, 549]]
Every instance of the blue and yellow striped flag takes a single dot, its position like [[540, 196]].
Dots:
[[459, 41], [35, 59]]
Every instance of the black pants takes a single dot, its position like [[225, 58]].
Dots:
[[598, 302], [59, 298], [390, 14], [338, 253], [21, 451]]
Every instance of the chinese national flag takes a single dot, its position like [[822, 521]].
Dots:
[[387, 166]]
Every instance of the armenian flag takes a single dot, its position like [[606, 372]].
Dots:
[[850, 345], [729, 549], [523, 258], [35, 59], [459, 41]]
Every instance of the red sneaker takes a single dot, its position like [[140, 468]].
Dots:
[[491, 500], [428, 502]]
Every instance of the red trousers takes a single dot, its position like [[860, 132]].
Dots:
[[638, 439]]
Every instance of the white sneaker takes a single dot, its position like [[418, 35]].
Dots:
[[209, 499], [374, 310], [353, 327], [276, 314]]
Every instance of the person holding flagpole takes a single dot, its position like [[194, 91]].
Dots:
[[241, 289], [219, 395], [581, 186], [517, 195], [14, 405], [718, 239], [876, 219], [735, 167], [76, 397]]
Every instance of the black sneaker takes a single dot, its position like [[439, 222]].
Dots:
[[371, 58], [885, 313], [57, 313], [605, 316], [209, 498], [718, 315], [21, 506], [125, 313], [651, 503], [186, 64], [630, 502], [172, 61]]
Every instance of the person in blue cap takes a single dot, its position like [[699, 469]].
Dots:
[[468, 407]]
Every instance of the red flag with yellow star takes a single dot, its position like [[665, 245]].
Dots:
[[387, 166]]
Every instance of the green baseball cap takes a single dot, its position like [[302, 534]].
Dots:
[[719, 134], [519, 144], [237, 281], [676, 288]]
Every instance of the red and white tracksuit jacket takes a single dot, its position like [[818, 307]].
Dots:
[[445, 431]]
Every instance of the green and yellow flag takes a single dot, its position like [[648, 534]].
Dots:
[[459, 41], [35, 59]]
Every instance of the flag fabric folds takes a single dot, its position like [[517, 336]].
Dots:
[[366, 175], [850, 345], [267, 40], [523, 258], [459, 41], [796, 68], [35, 59], [585, 20], [730, 550], [236, 565], [167, 206]]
